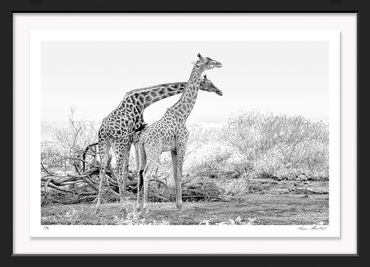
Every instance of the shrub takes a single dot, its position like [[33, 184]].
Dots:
[[271, 143]]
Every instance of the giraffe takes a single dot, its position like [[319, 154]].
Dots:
[[170, 134], [118, 128]]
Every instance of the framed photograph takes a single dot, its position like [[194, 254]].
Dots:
[[195, 133]]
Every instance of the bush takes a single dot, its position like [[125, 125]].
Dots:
[[271, 143]]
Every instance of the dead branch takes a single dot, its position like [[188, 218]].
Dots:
[[83, 182], [85, 153]]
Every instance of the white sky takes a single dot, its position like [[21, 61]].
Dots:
[[281, 77]]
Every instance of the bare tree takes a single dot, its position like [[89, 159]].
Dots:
[[73, 139]]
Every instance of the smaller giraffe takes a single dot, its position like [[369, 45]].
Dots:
[[170, 133]]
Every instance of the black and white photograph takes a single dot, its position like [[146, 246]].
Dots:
[[196, 134], [185, 133], [151, 134]]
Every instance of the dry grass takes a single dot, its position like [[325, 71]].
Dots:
[[275, 204]]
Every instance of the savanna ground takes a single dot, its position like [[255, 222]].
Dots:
[[283, 203], [261, 169]]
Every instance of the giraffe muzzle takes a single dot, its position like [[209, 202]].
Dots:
[[219, 92], [218, 65]]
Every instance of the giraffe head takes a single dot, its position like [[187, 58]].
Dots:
[[207, 85], [206, 63]]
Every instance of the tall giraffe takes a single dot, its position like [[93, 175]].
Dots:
[[170, 134], [118, 127]]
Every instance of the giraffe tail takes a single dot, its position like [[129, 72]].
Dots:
[[141, 179], [142, 163]]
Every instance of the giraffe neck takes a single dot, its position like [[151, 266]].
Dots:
[[185, 104], [144, 97]]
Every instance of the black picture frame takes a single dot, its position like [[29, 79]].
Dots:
[[111, 6]]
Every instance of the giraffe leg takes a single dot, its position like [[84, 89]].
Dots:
[[138, 187], [138, 190], [122, 151], [148, 172], [136, 145], [174, 164], [140, 164], [137, 156], [104, 155], [180, 155], [152, 153], [178, 181]]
